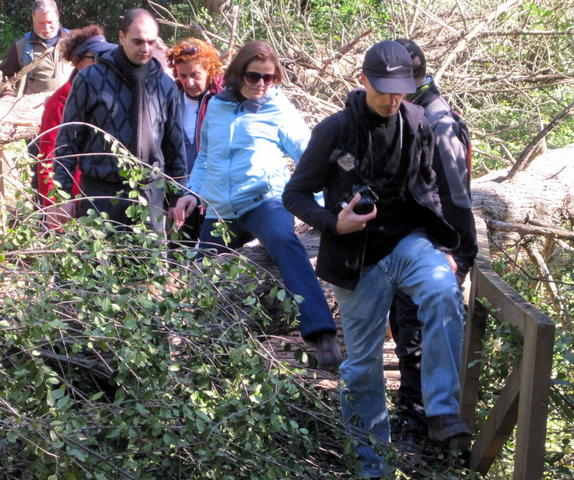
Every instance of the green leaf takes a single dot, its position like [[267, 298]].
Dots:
[[76, 452], [141, 409]]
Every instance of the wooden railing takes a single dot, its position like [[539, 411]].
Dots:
[[523, 402]]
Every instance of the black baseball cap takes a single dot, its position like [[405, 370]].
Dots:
[[389, 68]]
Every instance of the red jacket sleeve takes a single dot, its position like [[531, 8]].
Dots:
[[51, 118]]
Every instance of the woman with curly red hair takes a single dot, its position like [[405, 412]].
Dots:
[[197, 72]]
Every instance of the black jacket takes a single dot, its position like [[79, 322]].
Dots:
[[100, 96], [330, 164], [453, 177]]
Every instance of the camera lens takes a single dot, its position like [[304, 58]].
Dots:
[[364, 206]]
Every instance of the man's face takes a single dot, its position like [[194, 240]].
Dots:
[[383, 104], [139, 40], [45, 24]]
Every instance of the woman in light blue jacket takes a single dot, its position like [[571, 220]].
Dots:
[[240, 173]]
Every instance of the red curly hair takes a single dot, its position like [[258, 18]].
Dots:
[[193, 50]]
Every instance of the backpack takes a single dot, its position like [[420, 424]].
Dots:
[[25, 50]]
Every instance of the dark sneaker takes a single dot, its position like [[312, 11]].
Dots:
[[411, 446], [447, 427], [329, 355]]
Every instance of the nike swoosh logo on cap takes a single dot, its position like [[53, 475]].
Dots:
[[392, 69]]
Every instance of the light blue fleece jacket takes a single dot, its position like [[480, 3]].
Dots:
[[243, 147]]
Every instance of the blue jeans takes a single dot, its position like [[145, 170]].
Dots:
[[274, 227], [418, 269]]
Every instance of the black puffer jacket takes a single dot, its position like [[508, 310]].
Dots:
[[323, 167], [100, 96]]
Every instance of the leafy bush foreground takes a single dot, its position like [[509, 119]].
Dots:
[[121, 358], [118, 361]]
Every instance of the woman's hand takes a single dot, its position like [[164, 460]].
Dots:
[[183, 208], [56, 215], [349, 222]]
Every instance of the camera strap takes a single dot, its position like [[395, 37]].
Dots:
[[367, 166]]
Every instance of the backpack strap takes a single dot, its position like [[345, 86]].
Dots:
[[464, 137], [437, 109], [25, 50]]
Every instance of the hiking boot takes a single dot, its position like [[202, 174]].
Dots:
[[447, 427], [329, 355], [410, 445]]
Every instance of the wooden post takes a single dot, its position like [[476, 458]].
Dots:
[[498, 427], [475, 326], [472, 353], [533, 405]]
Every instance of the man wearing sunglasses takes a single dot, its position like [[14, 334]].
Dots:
[[127, 95], [383, 231]]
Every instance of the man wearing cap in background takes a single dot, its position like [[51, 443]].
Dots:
[[382, 231], [451, 163], [52, 71]]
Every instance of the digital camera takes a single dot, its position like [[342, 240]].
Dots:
[[367, 202]]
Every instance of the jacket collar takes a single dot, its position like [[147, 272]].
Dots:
[[251, 105], [427, 93]]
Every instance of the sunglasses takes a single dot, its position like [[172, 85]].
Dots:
[[254, 77], [91, 57], [188, 51]]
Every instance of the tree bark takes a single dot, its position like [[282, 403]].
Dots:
[[20, 117], [541, 194]]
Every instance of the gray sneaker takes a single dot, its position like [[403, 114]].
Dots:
[[329, 355]]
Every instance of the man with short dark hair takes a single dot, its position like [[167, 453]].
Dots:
[[126, 94], [453, 181], [382, 231], [53, 71]]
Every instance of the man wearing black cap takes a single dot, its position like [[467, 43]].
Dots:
[[382, 231]]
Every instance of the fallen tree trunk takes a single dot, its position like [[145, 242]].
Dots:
[[543, 194], [20, 117]]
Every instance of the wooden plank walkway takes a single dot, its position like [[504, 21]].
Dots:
[[288, 348]]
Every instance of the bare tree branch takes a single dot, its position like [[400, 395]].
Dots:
[[20, 74], [525, 156], [549, 284], [462, 44], [525, 229]]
